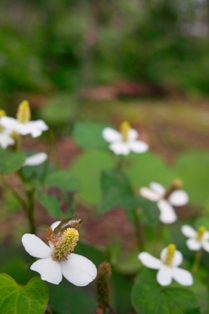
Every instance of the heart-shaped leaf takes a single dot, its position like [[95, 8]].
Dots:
[[64, 180], [10, 161], [29, 299]]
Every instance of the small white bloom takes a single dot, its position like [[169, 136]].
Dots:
[[167, 266], [35, 159], [165, 203], [5, 138], [22, 125], [125, 141], [77, 269], [197, 239]]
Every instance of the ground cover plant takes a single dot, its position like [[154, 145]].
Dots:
[[52, 270]]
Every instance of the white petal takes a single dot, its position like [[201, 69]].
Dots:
[[132, 134], [188, 231], [167, 213], [205, 245], [111, 135], [55, 224], [5, 140], [138, 146], [39, 124], [205, 236], [182, 276], [193, 244], [35, 246], [149, 261], [120, 148], [35, 159], [157, 187], [48, 269], [79, 270], [149, 194], [178, 257], [9, 123], [178, 198], [164, 276]]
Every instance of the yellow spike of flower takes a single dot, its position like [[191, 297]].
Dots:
[[168, 260], [2, 113], [124, 128], [65, 244], [23, 112], [201, 230]]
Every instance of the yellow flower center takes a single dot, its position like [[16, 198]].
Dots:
[[169, 257], [124, 129], [23, 112], [175, 185], [200, 233], [2, 113], [65, 245]]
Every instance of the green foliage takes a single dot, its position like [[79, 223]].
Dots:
[[51, 204], [17, 269], [10, 161], [63, 180], [149, 298], [29, 299]]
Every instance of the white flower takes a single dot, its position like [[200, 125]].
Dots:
[[22, 125], [35, 159], [5, 138], [167, 266], [77, 269], [165, 203], [197, 239], [125, 141]]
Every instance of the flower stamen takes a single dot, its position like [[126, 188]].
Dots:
[[169, 257], [124, 129], [200, 233], [65, 245], [2, 113], [23, 112]]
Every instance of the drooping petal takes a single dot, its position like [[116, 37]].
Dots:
[[167, 213], [164, 276], [149, 261], [149, 194], [138, 146], [188, 231], [205, 245], [120, 148], [48, 269], [178, 257], [79, 270], [193, 244], [35, 246], [178, 198], [132, 134], [157, 187], [182, 276], [111, 135], [35, 159]]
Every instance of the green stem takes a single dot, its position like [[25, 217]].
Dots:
[[31, 195], [120, 162], [197, 259], [139, 232]]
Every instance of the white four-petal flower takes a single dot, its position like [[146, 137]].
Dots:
[[197, 239], [123, 147], [77, 269], [156, 192], [166, 272]]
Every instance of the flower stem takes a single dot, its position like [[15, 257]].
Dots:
[[120, 162], [197, 259], [139, 232], [31, 195]]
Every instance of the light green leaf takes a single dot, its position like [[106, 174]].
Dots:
[[88, 135], [62, 179], [10, 161], [116, 191], [149, 298], [29, 299], [87, 169], [50, 203]]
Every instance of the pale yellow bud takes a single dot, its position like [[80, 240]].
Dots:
[[168, 260], [124, 129], [23, 112]]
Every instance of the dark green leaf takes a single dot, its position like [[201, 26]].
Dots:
[[151, 212], [51, 204], [29, 299], [149, 298], [17, 269], [10, 161], [62, 179], [88, 135]]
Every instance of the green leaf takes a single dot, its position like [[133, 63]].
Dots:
[[88, 135], [10, 161], [116, 191], [17, 269], [149, 298], [193, 168], [87, 169], [151, 212], [62, 179], [50, 203], [29, 299]]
